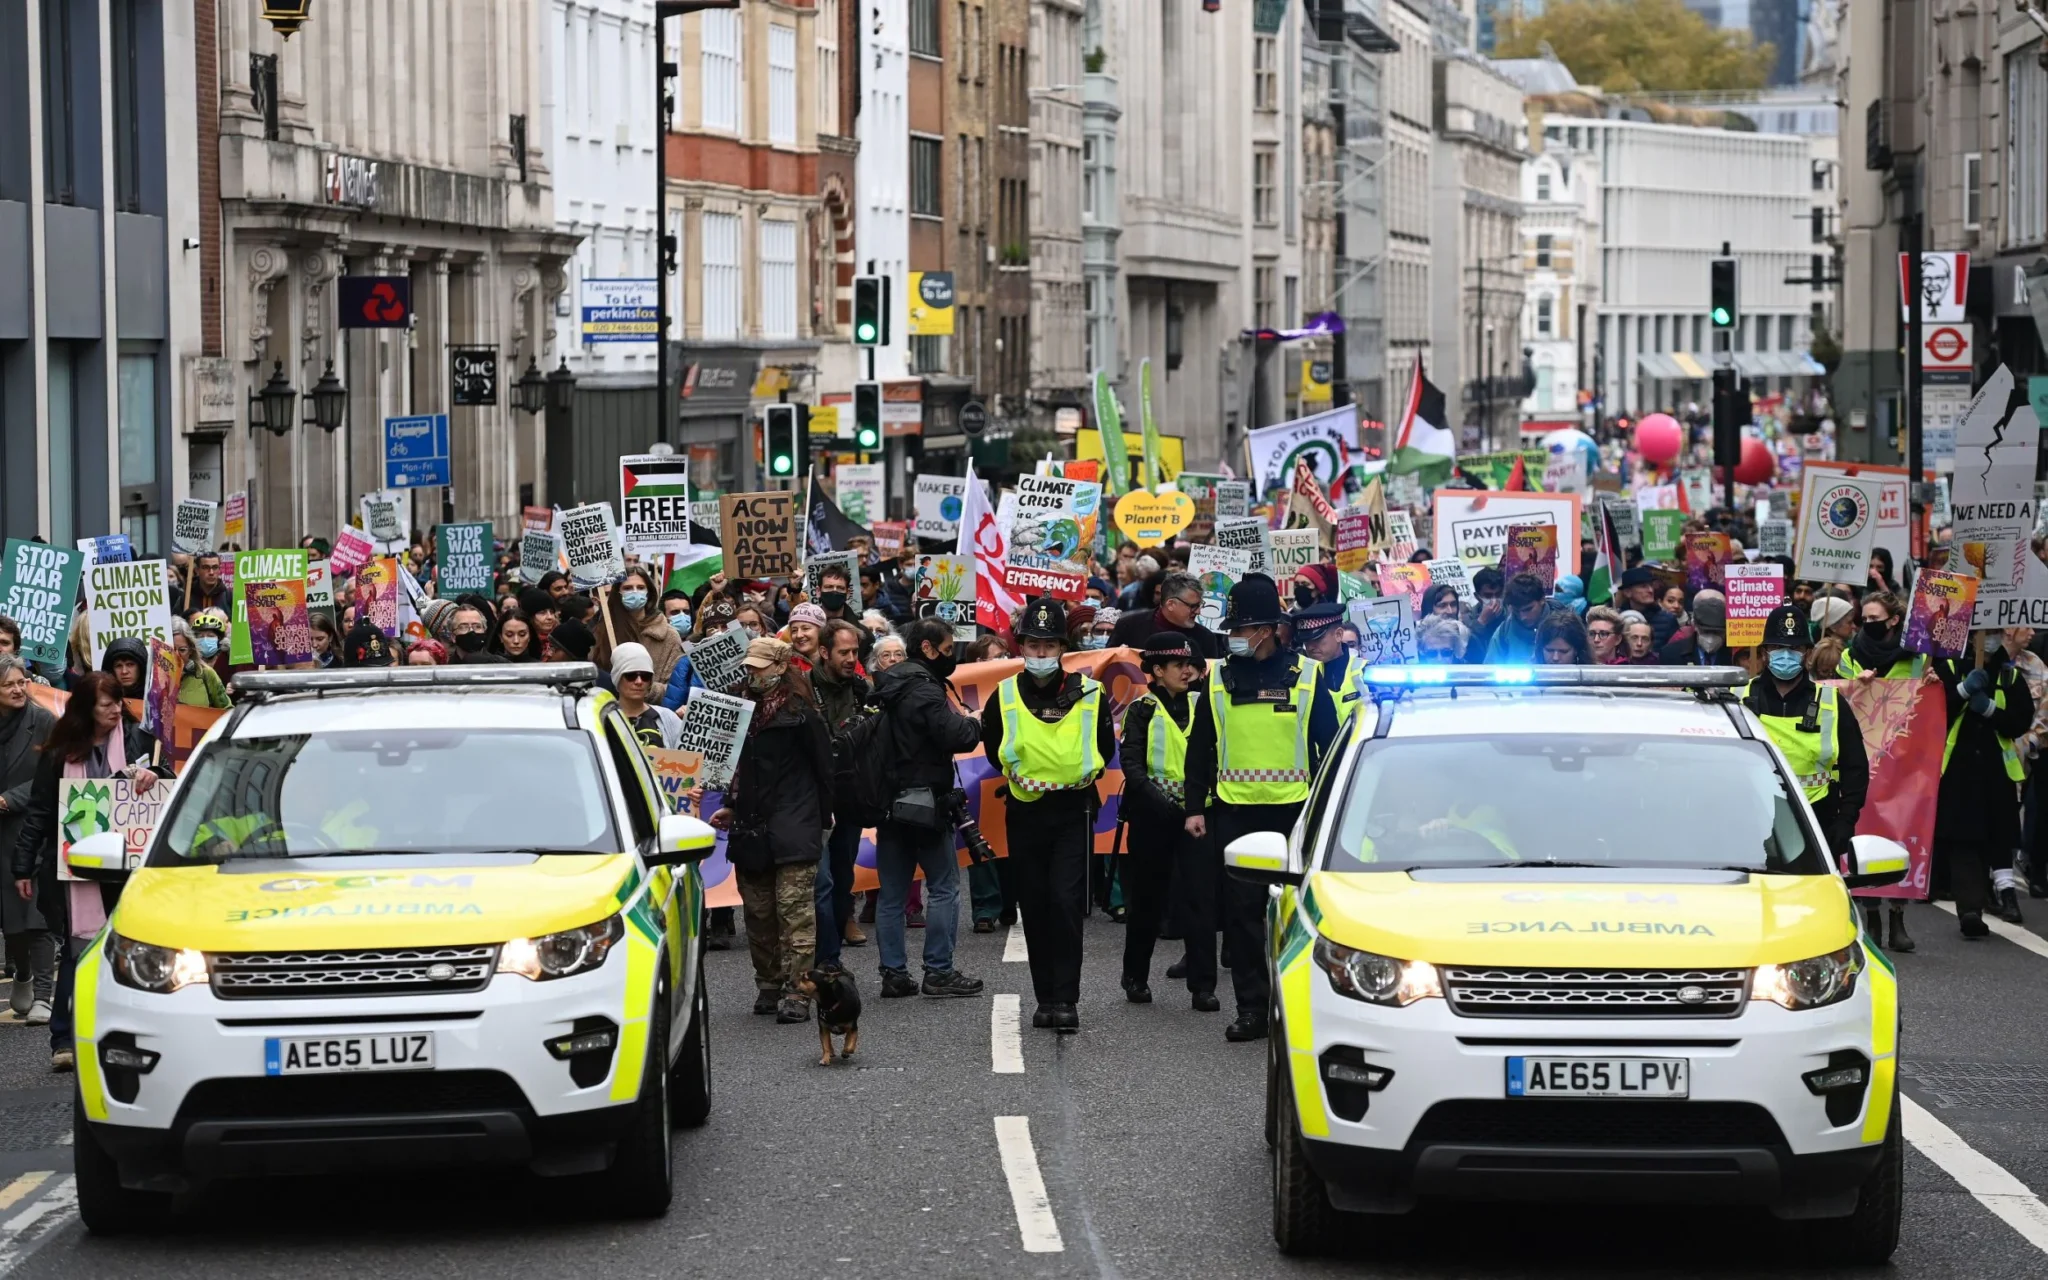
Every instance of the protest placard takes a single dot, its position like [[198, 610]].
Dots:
[[1291, 551], [890, 538], [1218, 569], [1662, 530], [654, 502], [539, 552], [1530, 548], [1410, 580], [591, 542], [320, 588], [1628, 523], [1400, 535], [280, 632], [160, 694], [387, 516], [1474, 526], [847, 561], [1565, 472], [1052, 521], [1025, 581], [195, 526], [352, 549], [1838, 526], [1753, 590], [536, 519], [675, 773], [128, 598], [106, 549], [234, 525], [1707, 556], [1149, 519], [714, 726], [1386, 629], [93, 806], [716, 658], [462, 558], [1943, 605], [260, 567], [377, 592], [1248, 534], [859, 488], [1233, 497], [758, 533], [1453, 571], [936, 505], [1200, 486], [39, 590], [1357, 538]]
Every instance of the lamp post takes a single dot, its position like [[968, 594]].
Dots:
[[553, 394], [287, 16], [272, 406], [329, 402]]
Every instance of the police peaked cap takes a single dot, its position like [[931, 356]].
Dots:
[[1316, 619]]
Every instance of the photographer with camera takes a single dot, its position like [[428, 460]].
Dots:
[[924, 733], [1050, 733]]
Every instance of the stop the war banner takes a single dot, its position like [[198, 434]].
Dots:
[[462, 558], [128, 598]]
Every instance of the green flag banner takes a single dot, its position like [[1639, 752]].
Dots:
[[1109, 421]]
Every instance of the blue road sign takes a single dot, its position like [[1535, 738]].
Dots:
[[416, 452]]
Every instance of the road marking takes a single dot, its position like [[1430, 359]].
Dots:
[[1980, 1175], [2012, 933], [26, 1231], [1006, 1051], [27, 1182], [1035, 1224], [1013, 946]]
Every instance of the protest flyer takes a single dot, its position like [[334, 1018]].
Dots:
[[858, 488], [1662, 530], [1410, 580], [320, 588], [1386, 629], [462, 558], [128, 598], [1454, 572], [654, 502], [1753, 591], [195, 526], [1400, 535], [352, 549], [815, 566], [254, 567], [1838, 527], [234, 526], [1473, 525], [1707, 556], [1291, 551], [377, 594], [1247, 534], [714, 726], [39, 589], [1200, 486], [935, 502], [539, 552], [591, 542], [1218, 569], [1530, 548], [160, 696], [106, 548], [757, 533], [280, 632], [1149, 519], [1939, 624], [94, 806], [717, 658]]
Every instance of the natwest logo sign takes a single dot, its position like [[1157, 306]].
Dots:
[[373, 302], [1946, 346]]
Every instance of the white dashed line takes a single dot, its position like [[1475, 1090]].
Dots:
[[1035, 1223], [2010, 932], [1006, 1051], [1013, 946], [1980, 1175]]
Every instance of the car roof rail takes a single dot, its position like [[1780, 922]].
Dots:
[[568, 678]]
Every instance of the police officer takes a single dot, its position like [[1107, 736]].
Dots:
[[1162, 852], [1248, 768], [1819, 738], [1977, 815], [1319, 634], [1050, 733]]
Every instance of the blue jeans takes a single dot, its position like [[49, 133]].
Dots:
[[899, 852], [835, 890]]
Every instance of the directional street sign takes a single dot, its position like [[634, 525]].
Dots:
[[416, 452]]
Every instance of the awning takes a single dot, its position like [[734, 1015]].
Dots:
[[1777, 364], [1657, 365]]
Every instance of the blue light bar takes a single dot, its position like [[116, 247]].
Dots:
[[1595, 677]]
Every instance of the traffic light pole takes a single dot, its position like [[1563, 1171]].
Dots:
[[1915, 446]]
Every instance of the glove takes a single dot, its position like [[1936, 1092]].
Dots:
[[1977, 683], [1982, 704]]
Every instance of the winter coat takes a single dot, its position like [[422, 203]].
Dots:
[[1135, 628], [680, 681], [1978, 802], [1684, 651], [839, 698], [925, 732], [35, 845], [664, 646], [781, 792], [1512, 642], [20, 735]]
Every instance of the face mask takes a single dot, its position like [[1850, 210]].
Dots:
[[942, 666], [634, 600], [680, 621], [1785, 663], [1240, 647], [753, 633], [760, 680], [1040, 668], [470, 641], [1875, 632], [208, 646], [1709, 643], [832, 601], [1095, 642]]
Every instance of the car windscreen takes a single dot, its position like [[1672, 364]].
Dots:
[[390, 791], [1602, 800]]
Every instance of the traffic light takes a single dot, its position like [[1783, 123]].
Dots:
[[871, 311], [1721, 280], [1731, 415], [867, 415], [784, 425]]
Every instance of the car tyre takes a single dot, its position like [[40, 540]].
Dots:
[[1867, 1237], [1274, 1057], [107, 1207], [1304, 1222], [689, 1080], [641, 1180]]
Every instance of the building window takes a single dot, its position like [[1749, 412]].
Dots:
[[2026, 148], [827, 52], [1699, 332], [778, 279], [781, 84], [1265, 74], [1262, 297], [924, 27], [1265, 170], [137, 429], [1543, 184], [927, 353], [60, 164], [1973, 196], [927, 176], [1784, 333], [1290, 300], [1542, 251], [1087, 177], [126, 66], [515, 139], [1545, 319], [721, 68], [721, 238]]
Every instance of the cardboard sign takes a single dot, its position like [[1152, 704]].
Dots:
[[935, 502], [94, 806], [591, 542], [890, 538], [717, 659], [235, 517], [1662, 531], [1149, 519], [1753, 591], [654, 502], [1943, 604], [1386, 629], [280, 630], [1052, 521], [1457, 575], [260, 567], [1290, 551], [1026, 581], [128, 598], [462, 558], [1218, 569], [1838, 526], [1531, 548], [377, 592], [1473, 526], [195, 526], [859, 488], [1248, 534], [758, 534], [539, 552], [1409, 580], [714, 727], [39, 590]]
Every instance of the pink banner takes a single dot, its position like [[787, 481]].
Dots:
[[1905, 728]]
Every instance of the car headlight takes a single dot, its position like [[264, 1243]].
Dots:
[[1809, 984], [564, 954], [1376, 979], [148, 967]]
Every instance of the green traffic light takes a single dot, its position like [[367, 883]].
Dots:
[[867, 438], [1721, 317], [865, 332], [781, 464]]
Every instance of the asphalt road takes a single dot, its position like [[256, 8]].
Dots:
[[918, 1159]]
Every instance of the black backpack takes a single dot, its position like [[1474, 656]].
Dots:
[[863, 762]]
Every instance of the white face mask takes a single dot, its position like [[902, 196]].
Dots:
[[1240, 646], [1041, 667]]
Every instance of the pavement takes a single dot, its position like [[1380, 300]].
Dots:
[[950, 1147]]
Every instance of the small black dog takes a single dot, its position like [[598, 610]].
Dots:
[[838, 1001]]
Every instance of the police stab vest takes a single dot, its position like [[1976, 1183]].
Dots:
[[1059, 755], [1262, 744]]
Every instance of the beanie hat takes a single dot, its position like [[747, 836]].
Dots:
[[574, 639]]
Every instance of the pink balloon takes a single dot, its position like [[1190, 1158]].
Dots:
[[1659, 438]]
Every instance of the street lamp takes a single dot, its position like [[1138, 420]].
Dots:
[[330, 401], [287, 15], [561, 388], [529, 394], [273, 407], [556, 393]]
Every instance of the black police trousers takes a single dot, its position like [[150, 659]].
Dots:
[[1162, 862], [1050, 839], [1244, 903]]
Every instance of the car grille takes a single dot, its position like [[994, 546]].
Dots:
[[349, 1094], [1596, 993], [1572, 1122], [398, 971]]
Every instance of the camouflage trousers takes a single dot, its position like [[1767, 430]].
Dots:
[[780, 906]]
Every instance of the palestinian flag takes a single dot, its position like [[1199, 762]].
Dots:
[[1608, 560], [1424, 442], [692, 567], [655, 477]]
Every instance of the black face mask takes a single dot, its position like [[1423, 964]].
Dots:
[[470, 641], [832, 601], [1304, 594], [1877, 632], [941, 666]]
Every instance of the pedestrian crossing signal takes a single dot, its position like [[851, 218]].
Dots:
[[867, 415]]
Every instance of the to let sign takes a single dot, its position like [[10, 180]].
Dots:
[[473, 375]]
